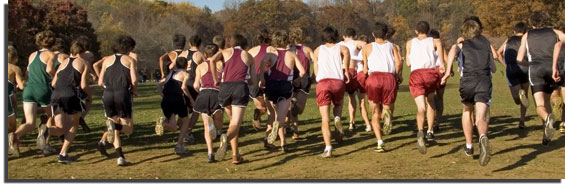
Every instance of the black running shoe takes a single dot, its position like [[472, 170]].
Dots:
[[102, 149], [430, 136], [210, 158], [65, 159], [545, 141], [284, 148], [468, 152], [84, 126]]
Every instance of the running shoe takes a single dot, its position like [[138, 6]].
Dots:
[[523, 98], [237, 159], [210, 158], [468, 152], [380, 148], [274, 132], [84, 126], [181, 150], [339, 129], [327, 154], [122, 161], [159, 129], [41, 136], [102, 149], [110, 126], [221, 152], [189, 137], [421, 142], [430, 136], [12, 144], [549, 126], [484, 148], [65, 159], [48, 150], [387, 125], [284, 148]]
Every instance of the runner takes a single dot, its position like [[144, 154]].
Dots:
[[15, 81], [387, 114], [207, 103], [361, 78], [538, 44], [330, 62], [559, 71], [37, 91], [86, 95], [261, 66], [166, 59], [279, 87], [517, 75], [424, 78], [301, 85], [118, 76], [353, 85], [174, 90], [67, 107], [382, 66], [441, 89], [476, 57], [234, 90]]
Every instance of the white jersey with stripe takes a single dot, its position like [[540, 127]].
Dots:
[[422, 54], [329, 63], [381, 58]]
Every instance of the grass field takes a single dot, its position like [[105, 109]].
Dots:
[[516, 154]]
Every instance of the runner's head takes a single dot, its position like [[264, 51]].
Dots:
[[59, 45], [264, 37], [363, 38], [434, 34], [179, 41], [520, 28], [238, 40], [349, 33], [380, 30], [45, 39], [219, 41], [77, 47], [280, 39], [181, 62], [539, 19], [195, 41], [423, 27], [12, 54], [83, 40], [330, 35], [475, 18], [470, 29], [296, 35], [123, 44], [210, 50], [390, 32]]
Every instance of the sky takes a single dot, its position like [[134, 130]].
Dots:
[[214, 5]]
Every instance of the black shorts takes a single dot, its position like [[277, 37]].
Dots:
[[474, 89], [117, 103], [66, 104], [174, 105], [516, 74], [82, 95], [233, 93], [277, 90], [255, 91], [207, 102], [305, 85], [541, 78]]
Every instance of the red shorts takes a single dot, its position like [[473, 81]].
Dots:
[[361, 79], [381, 88], [330, 90], [353, 85], [439, 79], [423, 82]]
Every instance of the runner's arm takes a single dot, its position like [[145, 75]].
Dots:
[[556, 50], [522, 50]]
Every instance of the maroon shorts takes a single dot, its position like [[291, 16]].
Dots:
[[330, 90], [423, 82], [361, 79], [381, 88], [353, 85], [439, 79]]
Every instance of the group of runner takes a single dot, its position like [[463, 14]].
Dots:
[[276, 75]]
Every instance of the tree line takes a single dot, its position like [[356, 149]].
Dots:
[[153, 23]]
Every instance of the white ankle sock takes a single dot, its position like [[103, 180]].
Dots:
[[469, 146], [328, 148], [380, 142]]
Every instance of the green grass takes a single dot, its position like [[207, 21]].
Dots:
[[517, 154]]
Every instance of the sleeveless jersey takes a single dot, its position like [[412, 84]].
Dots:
[[540, 45], [192, 65], [207, 81], [259, 57], [476, 57], [37, 71], [303, 60], [511, 50], [172, 87], [422, 54], [329, 63], [68, 81], [381, 58], [235, 70], [280, 71], [117, 76]]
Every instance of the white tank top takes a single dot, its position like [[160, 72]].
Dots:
[[381, 58], [436, 56], [353, 52], [422, 54], [329, 63], [360, 63]]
